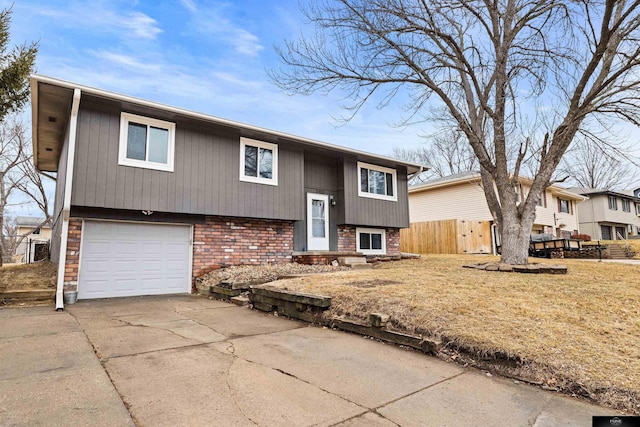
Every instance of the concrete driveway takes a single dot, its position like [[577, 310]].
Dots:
[[186, 361]]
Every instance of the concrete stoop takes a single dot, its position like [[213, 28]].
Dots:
[[356, 263]]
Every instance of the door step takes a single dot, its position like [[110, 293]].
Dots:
[[357, 263]]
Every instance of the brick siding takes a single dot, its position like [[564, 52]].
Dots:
[[346, 238], [73, 255], [222, 241], [393, 241]]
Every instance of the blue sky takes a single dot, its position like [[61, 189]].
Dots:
[[206, 56]]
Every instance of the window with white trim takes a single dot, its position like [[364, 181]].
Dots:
[[146, 142], [258, 161], [371, 241], [377, 182]]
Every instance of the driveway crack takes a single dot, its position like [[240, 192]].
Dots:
[[103, 362], [231, 350]]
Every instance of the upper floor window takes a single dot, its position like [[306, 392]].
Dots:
[[542, 200], [258, 161], [626, 205], [564, 206], [36, 231], [613, 203], [377, 182], [146, 142]]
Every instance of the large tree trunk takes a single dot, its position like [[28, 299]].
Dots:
[[515, 232]]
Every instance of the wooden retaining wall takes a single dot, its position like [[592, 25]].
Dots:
[[453, 236]]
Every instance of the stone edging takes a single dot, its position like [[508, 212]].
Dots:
[[529, 268]]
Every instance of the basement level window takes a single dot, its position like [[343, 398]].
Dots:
[[146, 143], [377, 182], [371, 241]]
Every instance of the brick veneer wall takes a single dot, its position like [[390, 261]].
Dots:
[[393, 241], [73, 255], [223, 241], [347, 239]]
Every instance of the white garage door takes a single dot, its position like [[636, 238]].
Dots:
[[125, 259]]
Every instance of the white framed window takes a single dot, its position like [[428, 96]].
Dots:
[[377, 182], [146, 142], [36, 231], [258, 161], [371, 241]]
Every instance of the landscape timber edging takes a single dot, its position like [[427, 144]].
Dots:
[[529, 268], [310, 308]]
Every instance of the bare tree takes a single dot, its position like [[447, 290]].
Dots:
[[31, 184], [13, 144], [591, 166], [9, 238], [485, 68], [446, 154]]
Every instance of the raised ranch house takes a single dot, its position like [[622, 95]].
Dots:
[[609, 215], [150, 196], [33, 235], [461, 197]]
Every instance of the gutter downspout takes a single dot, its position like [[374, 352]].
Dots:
[[66, 205]]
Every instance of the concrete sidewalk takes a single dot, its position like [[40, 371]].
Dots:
[[189, 361]]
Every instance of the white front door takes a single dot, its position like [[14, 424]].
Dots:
[[317, 222]]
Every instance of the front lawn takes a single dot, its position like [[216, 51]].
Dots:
[[578, 333]]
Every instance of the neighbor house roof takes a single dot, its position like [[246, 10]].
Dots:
[[51, 106], [474, 177], [30, 221], [590, 192]]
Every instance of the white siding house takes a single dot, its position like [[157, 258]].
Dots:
[[461, 196]]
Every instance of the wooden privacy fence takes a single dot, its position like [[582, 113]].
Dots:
[[452, 236]]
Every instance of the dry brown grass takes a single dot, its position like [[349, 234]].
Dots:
[[578, 332], [40, 275]]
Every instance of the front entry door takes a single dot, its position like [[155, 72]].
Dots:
[[317, 222]]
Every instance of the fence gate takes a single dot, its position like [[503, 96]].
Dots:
[[453, 236]]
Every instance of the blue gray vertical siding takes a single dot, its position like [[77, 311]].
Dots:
[[58, 202], [374, 212], [205, 178]]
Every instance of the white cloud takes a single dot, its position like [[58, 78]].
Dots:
[[95, 17], [189, 5], [128, 62], [213, 23]]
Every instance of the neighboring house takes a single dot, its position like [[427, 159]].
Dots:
[[33, 239], [149, 196], [461, 196], [609, 215]]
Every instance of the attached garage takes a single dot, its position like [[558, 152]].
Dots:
[[120, 259]]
